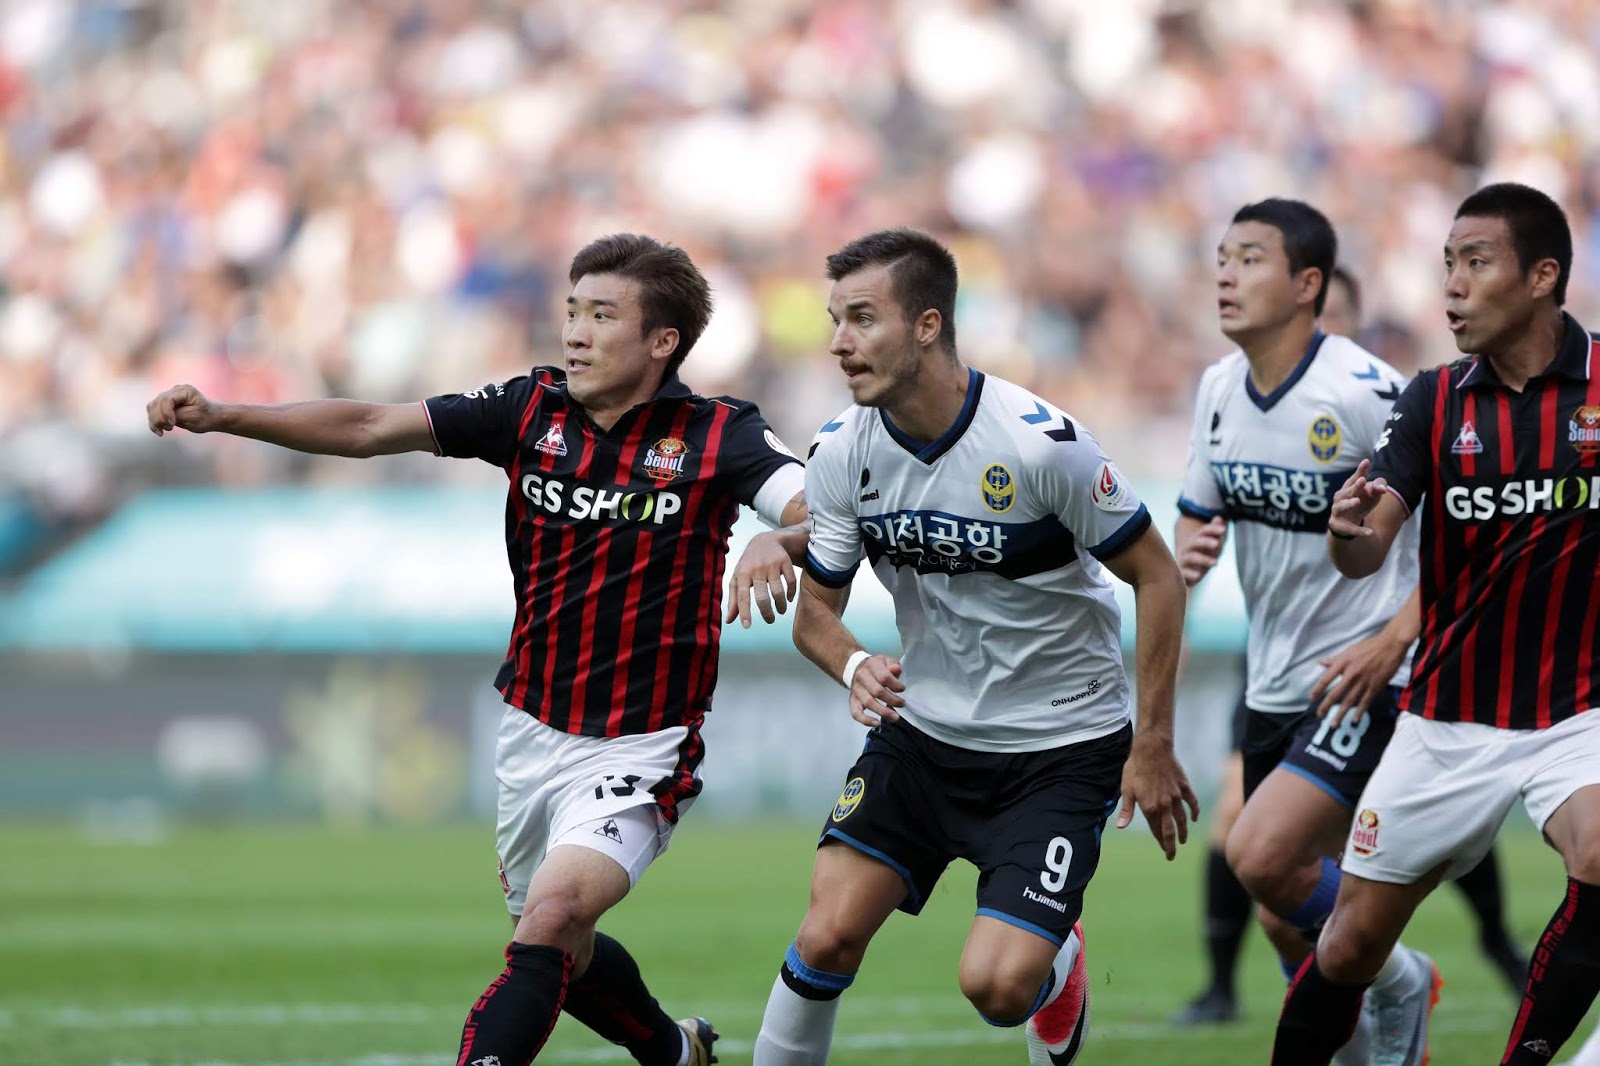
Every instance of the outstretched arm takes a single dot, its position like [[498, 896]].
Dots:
[[765, 571], [1153, 777], [324, 427]]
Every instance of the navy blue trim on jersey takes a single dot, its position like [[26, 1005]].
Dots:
[[1267, 402], [1131, 530], [929, 452], [1319, 782], [912, 895], [1009, 919], [833, 579], [1189, 509]]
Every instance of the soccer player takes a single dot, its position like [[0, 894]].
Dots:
[[1279, 425], [1481, 886], [1001, 734], [623, 488], [1504, 444]]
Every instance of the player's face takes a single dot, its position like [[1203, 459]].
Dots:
[[871, 338], [1339, 311], [1255, 291], [607, 355], [1487, 297]]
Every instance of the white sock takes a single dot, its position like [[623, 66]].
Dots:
[[1358, 1050], [1066, 958], [683, 1056], [1589, 1053], [795, 1031], [1400, 975]]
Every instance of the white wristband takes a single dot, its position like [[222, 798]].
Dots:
[[848, 674]]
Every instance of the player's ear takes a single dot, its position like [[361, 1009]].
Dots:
[[1310, 284], [930, 324], [664, 343], [1543, 278]]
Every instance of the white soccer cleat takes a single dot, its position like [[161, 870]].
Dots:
[[1056, 1034], [1358, 1052], [1401, 1034]]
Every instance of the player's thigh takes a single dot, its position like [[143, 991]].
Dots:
[[572, 888], [1290, 822], [1037, 853], [895, 810], [852, 895], [1002, 962], [1562, 791], [1437, 800]]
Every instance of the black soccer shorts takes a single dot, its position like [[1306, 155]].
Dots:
[[1029, 821], [1337, 759]]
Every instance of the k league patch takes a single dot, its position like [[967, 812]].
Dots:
[[1110, 490]]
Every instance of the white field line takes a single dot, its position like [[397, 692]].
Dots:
[[1113, 1032]]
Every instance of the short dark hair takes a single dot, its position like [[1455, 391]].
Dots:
[[1538, 226], [923, 272], [1348, 280], [1308, 237], [672, 291]]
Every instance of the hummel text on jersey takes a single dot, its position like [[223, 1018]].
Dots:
[[587, 501], [1528, 496]]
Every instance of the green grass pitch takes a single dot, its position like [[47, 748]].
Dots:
[[253, 946]]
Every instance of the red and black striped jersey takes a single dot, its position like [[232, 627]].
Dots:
[[1510, 545], [616, 540]]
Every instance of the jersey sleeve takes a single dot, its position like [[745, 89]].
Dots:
[[1091, 497], [750, 453], [1199, 498], [1367, 412], [835, 548], [481, 424], [1403, 455]]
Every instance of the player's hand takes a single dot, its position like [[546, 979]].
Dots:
[[764, 573], [1201, 551], [1154, 780], [872, 690], [1354, 501], [182, 407], [1354, 676]]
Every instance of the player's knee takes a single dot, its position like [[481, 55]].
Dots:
[[1351, 951], [1261, 869], [1583, 863], [1004, 996], [827, 943], [557, 918]]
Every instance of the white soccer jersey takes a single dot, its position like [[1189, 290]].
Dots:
[[987, 538], [1270, 465]]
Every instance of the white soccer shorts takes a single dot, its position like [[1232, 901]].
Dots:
[[592, 792], [1443, 790]]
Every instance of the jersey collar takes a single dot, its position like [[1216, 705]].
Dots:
[[927, 453], [1267, 402], [1571, 361]]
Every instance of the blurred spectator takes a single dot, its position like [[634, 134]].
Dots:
[[378, 198]]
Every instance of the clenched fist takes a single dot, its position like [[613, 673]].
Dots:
[[183, 407]]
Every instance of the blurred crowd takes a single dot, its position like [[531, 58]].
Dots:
[[282, 199]]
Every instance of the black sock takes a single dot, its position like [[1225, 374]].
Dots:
[[1227, 920], [1563, 979], [512, 1019], [1481, 886], [1318, 1018], [611, 999]]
